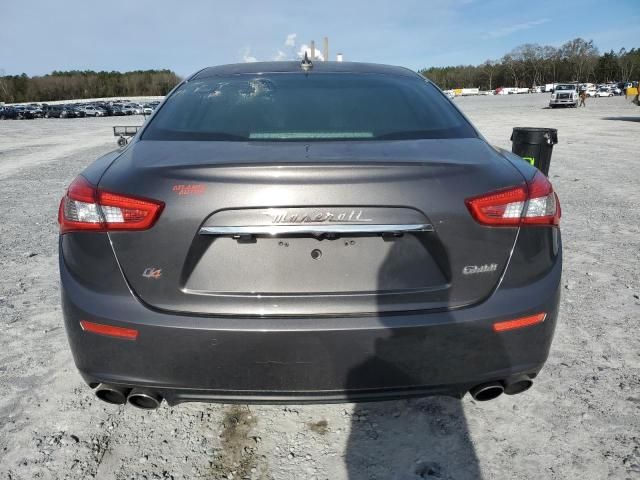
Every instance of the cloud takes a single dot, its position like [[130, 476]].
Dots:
[[291, 40], [247, 57], [288, 52], [281, 56], [508, 30], [306, 49]]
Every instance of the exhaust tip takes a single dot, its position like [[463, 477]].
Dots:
[[486, 391], [144, 399], [112, 394], [519, 385]]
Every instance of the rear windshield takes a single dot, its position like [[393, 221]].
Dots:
[[299, 107]]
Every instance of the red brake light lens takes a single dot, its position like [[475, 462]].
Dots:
[[532, 204], [109, 330], [85, 207], [519, 322], [127, 213], [503, 207]]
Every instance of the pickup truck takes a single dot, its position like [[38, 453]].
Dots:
[[564, 94]]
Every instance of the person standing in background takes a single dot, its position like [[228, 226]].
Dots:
[[583, 96]]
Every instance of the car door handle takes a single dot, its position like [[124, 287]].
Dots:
[[316, 230]]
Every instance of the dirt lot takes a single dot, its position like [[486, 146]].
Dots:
[[580, 420]]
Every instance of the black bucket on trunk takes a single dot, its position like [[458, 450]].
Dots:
[[534, 145]]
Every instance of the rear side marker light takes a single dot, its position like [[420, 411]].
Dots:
[[87, 208], [534, 203], [519, 322], [109, 330]]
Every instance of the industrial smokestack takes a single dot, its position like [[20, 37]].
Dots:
[[339, 57], [325, 49], [313, 50]]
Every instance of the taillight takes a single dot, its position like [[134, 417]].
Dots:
[[109, 330], [543, 207], [519, 322], [532, 204], [87, 208]]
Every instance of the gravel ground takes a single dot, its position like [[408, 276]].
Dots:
[[580, 420]]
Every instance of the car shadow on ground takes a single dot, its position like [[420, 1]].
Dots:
[[414, 439], [411, 440], [623, 119]]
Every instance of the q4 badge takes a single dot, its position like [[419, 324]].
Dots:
[[151, 272]]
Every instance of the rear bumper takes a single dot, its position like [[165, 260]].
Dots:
[[317, 360]]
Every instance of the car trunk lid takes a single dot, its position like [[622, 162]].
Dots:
[[328, 228]]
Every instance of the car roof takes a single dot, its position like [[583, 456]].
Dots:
[[291, 67]]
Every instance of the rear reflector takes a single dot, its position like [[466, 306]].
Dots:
[[519, 322], [86, 207], [532, 204], [109, 330]]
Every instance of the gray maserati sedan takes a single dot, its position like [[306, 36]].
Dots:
[[287, 232]]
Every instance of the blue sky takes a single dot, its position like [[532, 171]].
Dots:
[[38, 36]]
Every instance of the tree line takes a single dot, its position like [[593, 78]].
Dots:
[[525, 66], [85, 84], [532, 65]]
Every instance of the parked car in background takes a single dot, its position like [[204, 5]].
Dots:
[[78, 109], [8, 113], [564, 94], [53, 111], [128, 110], [117, 109], [19, 109], [67, 112], [603, 92], [108, 109], [136, 108], [591, 91], [74, 111], [32, 111], [92, 111], [509, 90], [27, 114]]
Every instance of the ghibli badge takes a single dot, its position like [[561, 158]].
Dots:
[[473, 269]]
